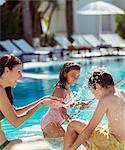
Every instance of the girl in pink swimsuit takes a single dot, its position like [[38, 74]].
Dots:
[[51, 121]]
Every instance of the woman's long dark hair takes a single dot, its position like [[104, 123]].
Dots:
[[10, 62], [67, 67]]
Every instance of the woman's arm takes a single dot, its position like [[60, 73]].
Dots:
[[97, 116], [9, 112], [27, 107], [16, 120]]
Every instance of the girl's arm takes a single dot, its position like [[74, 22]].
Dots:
[[60, 93], [97, 116]]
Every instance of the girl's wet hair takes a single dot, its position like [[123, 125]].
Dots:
[[10, 62], [67, 67], [101, 77]]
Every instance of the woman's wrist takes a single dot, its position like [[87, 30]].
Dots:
[[41, 104], [28, 114]]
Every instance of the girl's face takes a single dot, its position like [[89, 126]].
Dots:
[[14, 75], [72, 76]]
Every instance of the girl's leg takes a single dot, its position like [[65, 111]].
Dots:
[[73, 130], [12, 143], [53, 130]]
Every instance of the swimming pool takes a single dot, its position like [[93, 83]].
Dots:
[[29, 90]]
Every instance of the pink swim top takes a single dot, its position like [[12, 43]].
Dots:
[[53, 115]]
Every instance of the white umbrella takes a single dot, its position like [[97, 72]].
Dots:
[[100, 8]]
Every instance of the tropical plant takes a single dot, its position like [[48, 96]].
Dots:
[[120, 25]]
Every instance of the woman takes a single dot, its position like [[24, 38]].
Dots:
[[10, 72]]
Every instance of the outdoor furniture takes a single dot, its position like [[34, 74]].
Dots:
[[27, 49], [96, 44], [114, 40], [64, 44], [3, 53], [81, 42], [92, 40], [10, 48], [74, 48], [62, 41]]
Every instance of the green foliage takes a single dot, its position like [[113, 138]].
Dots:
[[120, 25], [47, 40]]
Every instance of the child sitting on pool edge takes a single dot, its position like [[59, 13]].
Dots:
[[112, 103], [52, 120]]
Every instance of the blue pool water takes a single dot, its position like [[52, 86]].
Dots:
[[29, 90], [53, 69]]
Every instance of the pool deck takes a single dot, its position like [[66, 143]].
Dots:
[[39, 142], [33, 143]]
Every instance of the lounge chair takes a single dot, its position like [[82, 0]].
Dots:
[[62, 41], [2, 53], [71, 47], [114, 40], [96, 44], [10, 48], [80, 40], [84, 45], [64, 44], [27, 49]]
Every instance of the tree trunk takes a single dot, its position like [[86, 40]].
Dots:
[[69, 17], [27, 21]]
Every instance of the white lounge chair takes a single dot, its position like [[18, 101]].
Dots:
[[27, 49], [114, 40], [65, 45], [74, 48], [62, 41], [97, 44], [10, 48], [2, 53], [92, 40], [80, 40]]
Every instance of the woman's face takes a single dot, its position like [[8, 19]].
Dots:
[[72, 76], [14, 75]]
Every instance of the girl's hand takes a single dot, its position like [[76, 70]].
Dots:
[[82, 104], [78, 104]]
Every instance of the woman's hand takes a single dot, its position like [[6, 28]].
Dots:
[[51, 101]]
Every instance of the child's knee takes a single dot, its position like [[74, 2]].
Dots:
[[71, 125]]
